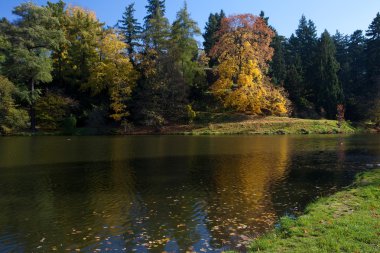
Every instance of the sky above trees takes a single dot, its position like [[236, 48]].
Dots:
[[343, 15]]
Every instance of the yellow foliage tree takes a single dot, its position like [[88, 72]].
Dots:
[[113, 73], [243, 52]]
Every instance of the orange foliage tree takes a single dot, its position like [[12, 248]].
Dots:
[[243, 52]]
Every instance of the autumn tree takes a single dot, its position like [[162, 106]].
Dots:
[[243, 52], [83, 31], [114, 73]]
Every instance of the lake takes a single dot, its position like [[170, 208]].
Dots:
[[165, 193]]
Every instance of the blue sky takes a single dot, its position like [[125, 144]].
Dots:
[[343, 15]]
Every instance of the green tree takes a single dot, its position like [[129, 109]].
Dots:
[[58, 55], [300, 52], [277, 70], [210, 35], [373, 49], [157, 28], [183, 47], [4, 47], [11, 116], [151, 9], [131, 29], [153, 86], [329, 91], [373, 65], [33, 35], [184, 68]]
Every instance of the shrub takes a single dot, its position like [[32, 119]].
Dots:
[[52, 109], [12, 117], [69, 125]]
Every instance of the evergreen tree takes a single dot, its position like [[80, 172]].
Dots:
[[131, 29], [212, 27], [341, 44], [300, 51], [328, 89], [151, 9], [266, 19], [157, 28], [307, 42], [183, 47], [277, 69], [33, 35], [183, 53], [373, 50], [354, 84], [153, 87], [373, 67]]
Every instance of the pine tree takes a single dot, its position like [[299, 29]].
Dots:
[[373, 67], [266, 19], [341, 44], [151, 9], [277, 69], [373, 50], [328, 89], [184, 70], [157, 29], [33, 36], [210, 35], [131, 29], [183, 46], [153, 87]]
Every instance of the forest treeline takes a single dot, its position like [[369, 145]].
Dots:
[[60, 67]]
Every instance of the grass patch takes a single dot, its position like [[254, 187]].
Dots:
[[348, 221], [269, 125]]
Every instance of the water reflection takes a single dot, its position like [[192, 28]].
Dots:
[[154, 194]]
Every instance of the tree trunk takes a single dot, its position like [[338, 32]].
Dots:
[[32, 111]]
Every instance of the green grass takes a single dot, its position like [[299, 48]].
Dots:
[[270, 125], [224, 124], [348, 221]]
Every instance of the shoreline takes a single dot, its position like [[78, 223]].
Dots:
[[348, 221], [232, 125]]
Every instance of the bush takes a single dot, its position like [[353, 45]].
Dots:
[[96, 118], [154, 119], [52, 109], [12, 117], [191, 114], [69, 125]]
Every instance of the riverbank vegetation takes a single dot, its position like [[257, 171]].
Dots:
[[62, 69], [348, 221]]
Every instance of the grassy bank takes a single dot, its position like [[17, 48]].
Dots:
[[348, 221], [222, 124], [271, 125]]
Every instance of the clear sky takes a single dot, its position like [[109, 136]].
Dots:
[[343, 15]]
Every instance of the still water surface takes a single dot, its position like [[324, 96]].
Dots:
[[165, 193]]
